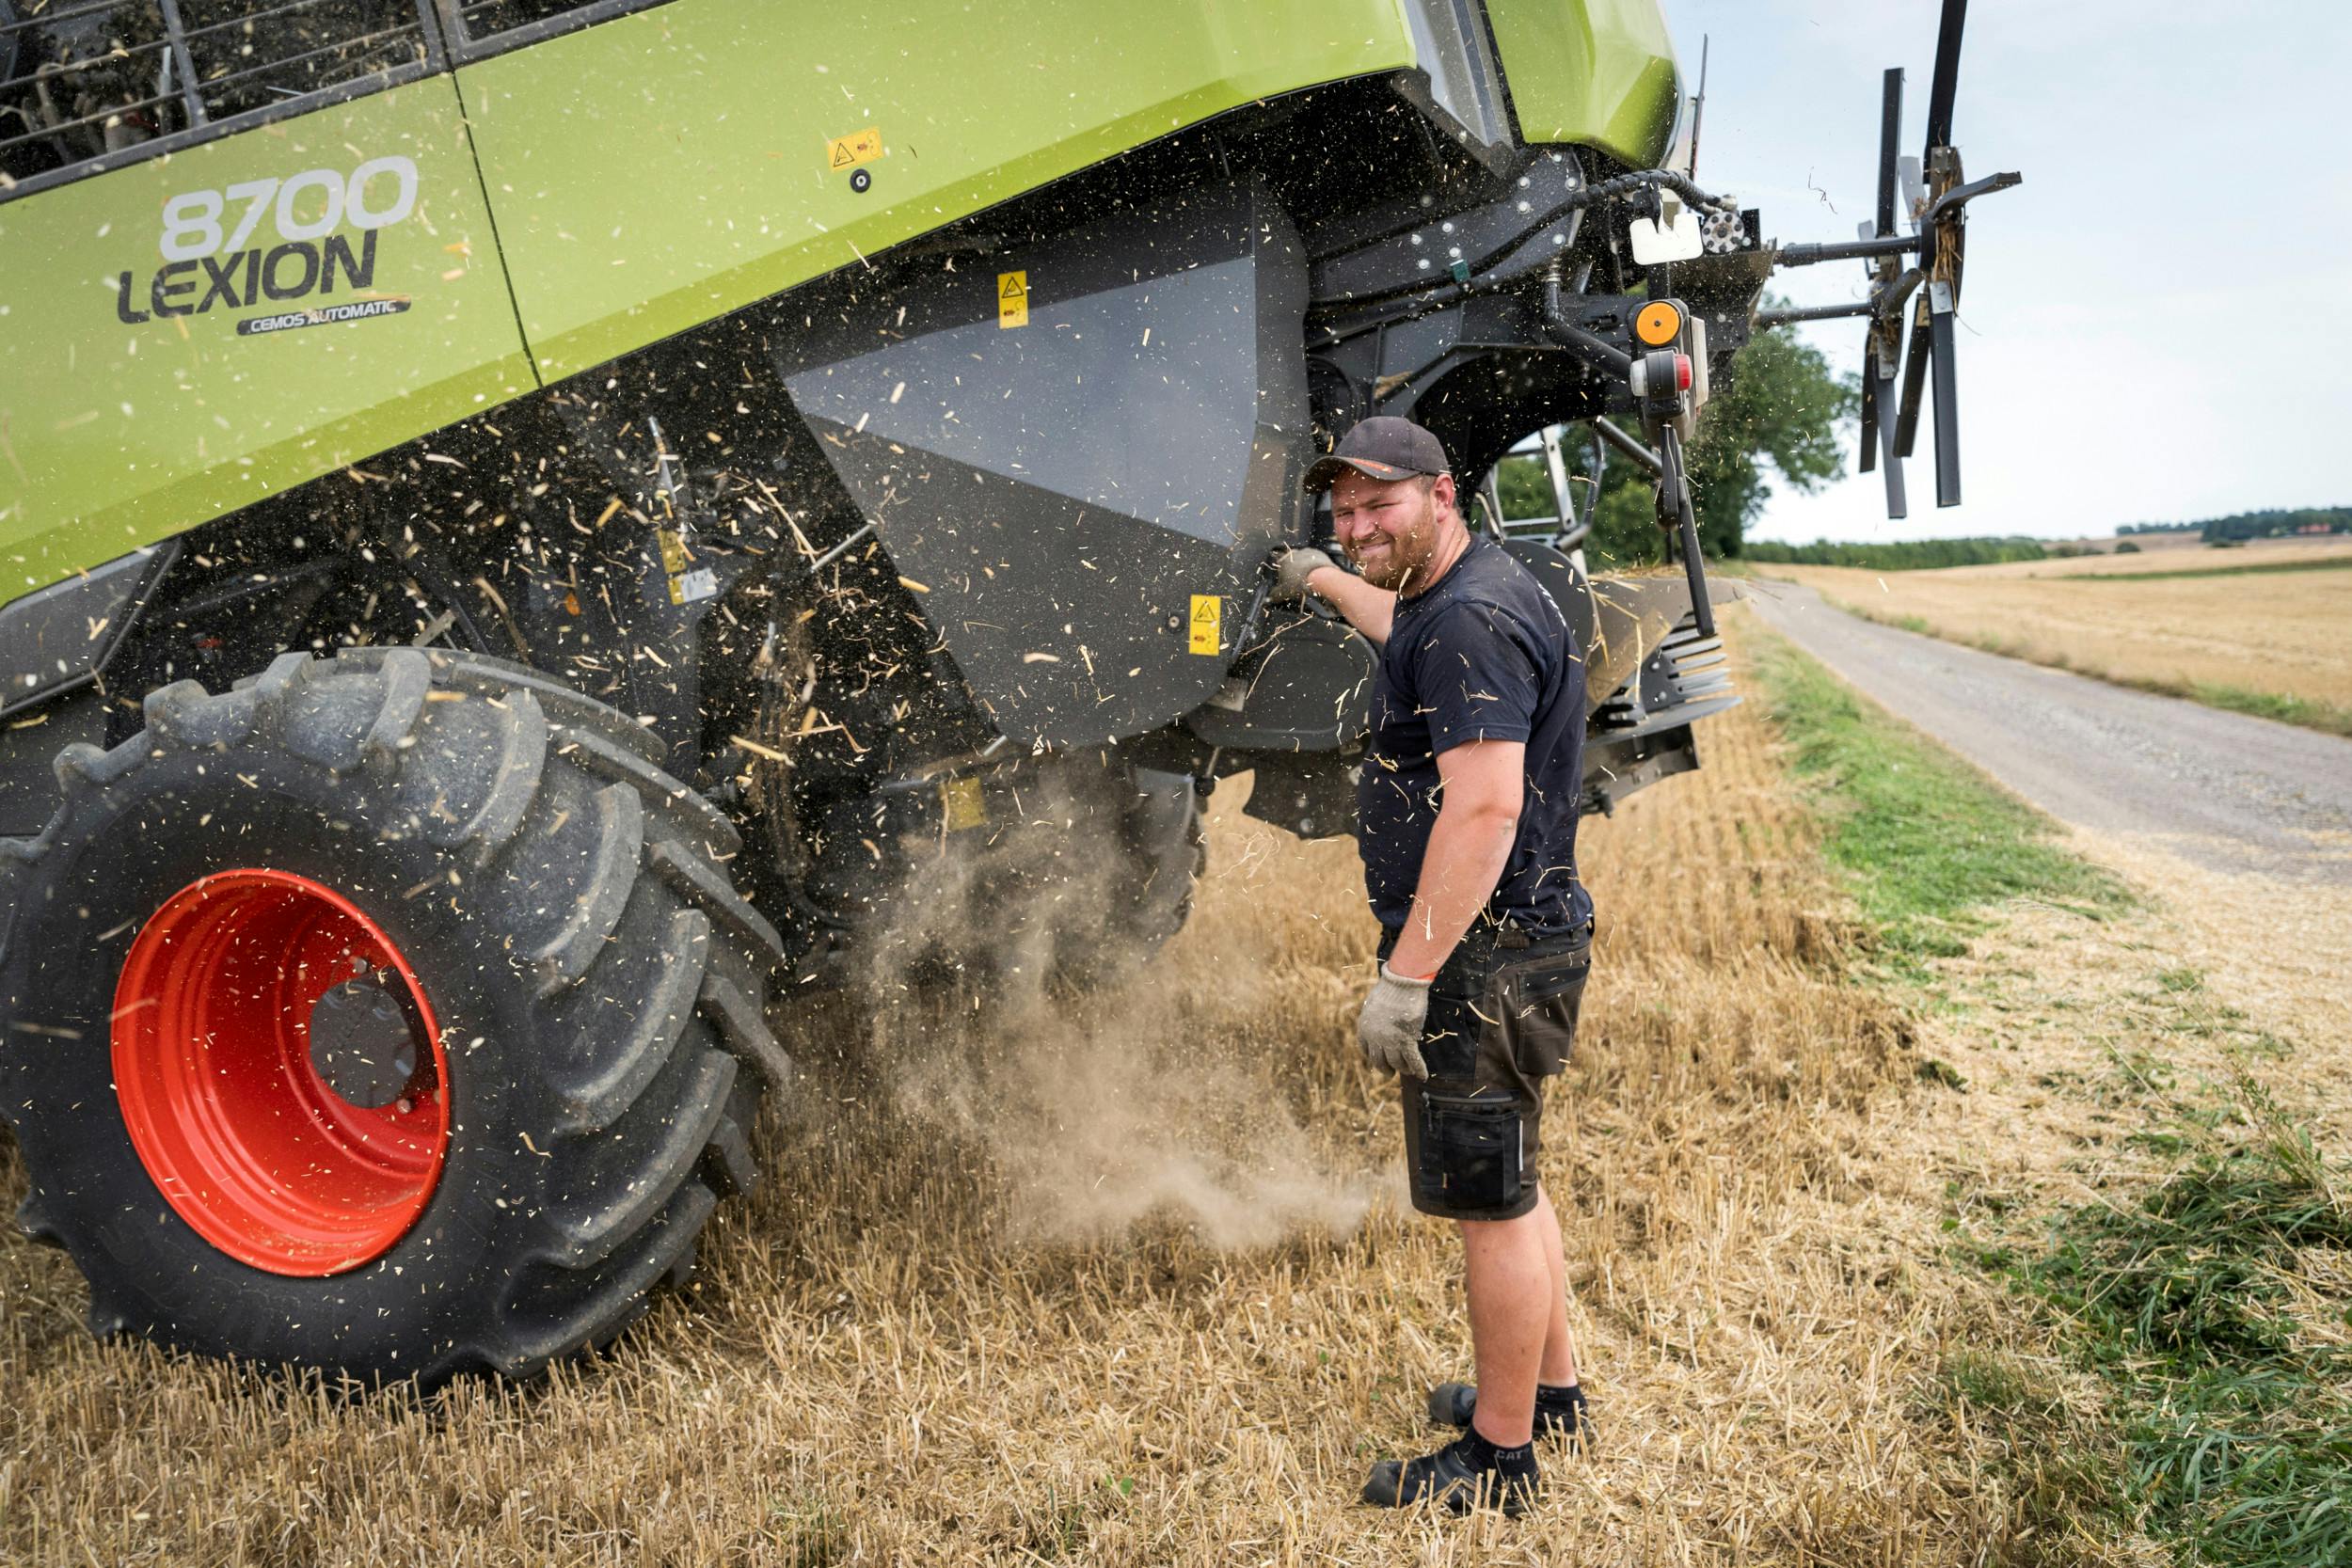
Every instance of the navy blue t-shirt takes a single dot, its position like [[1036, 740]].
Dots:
[[1482, 654]]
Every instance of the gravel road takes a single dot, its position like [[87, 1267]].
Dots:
[[2221, 790]]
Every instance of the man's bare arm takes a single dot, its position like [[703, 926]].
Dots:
[[1369, 610], [1469, 846]]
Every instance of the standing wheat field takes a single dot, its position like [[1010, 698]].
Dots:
[[2258, 629], [1128, 1280]]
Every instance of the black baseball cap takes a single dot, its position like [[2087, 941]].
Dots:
[[1383, 447]]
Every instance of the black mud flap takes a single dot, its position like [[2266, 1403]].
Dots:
[[1311, 794]]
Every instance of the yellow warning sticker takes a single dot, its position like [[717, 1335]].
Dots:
[[962, 805], [1013, 299], [849, 151], [688, 582], [1208, 615]]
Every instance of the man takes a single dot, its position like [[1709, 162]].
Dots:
[[1466, 824]]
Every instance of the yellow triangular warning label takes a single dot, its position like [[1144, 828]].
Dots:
[[841, 155], [1207, 634], [1012, 285]]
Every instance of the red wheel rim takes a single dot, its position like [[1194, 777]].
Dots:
[[212, 1059]]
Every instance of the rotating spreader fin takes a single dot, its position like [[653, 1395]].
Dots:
[[1946, 396], [1897, 505], [1920, 269], [1870, 453], [1947, 79], [1884, 352], [1915, 373], [1890, 132]]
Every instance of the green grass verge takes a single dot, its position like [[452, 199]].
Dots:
[[1926, 842], [2325, 716], [2225, 1428], [2230, 1418]]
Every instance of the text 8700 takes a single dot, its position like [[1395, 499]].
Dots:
[[306, 206]]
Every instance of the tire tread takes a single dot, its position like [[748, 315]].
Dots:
[[652, 1118]]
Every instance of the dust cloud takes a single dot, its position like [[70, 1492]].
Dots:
[[1110, 1088]]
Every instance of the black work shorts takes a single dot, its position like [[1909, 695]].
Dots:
[[1502, 1020]]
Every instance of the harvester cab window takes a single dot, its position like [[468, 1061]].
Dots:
[[88, 84], [79, 81], [253, 53]]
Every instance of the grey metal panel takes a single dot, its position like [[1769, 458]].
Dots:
[[1077, 402], [1307, 688], [1062, 489], [1449, 40], [58, 637], [1616, 767], [1068, 620]]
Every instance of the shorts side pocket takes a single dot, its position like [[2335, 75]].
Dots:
[[1470, 1154], [1537, 1001]]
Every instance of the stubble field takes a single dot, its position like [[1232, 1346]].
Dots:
[[1129, 1281], [2261, 628]]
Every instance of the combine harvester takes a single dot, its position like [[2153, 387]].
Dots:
[[526, 522]]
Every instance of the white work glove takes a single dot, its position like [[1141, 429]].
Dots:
[[1291, 567], [1389, 1028]]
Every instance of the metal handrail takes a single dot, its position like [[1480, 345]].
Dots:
[[250, 18], [50, 18], [283, 61], [112, 112], [470, 41]]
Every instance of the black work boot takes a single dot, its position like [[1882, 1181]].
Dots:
[[1468, 1472], [1559, 1412]]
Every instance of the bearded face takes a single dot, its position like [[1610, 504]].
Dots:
[[1390, 528]]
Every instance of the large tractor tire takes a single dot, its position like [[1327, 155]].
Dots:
[[393, 1015]]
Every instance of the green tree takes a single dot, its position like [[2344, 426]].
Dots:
[[1525, 487], [1782, 407]]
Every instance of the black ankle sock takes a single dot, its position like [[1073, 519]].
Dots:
[[1558, 1393], [1512, 1463]]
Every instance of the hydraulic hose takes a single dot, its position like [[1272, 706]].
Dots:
[[1592, 349], [1437, 296]]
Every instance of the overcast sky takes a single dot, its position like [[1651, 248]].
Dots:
[[2155, 326]]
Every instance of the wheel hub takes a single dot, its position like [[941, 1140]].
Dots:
[[281, 1072], [362, 1042]]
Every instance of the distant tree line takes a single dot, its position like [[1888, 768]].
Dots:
[[1900, 555], [1925, 554], [2264, 525]]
